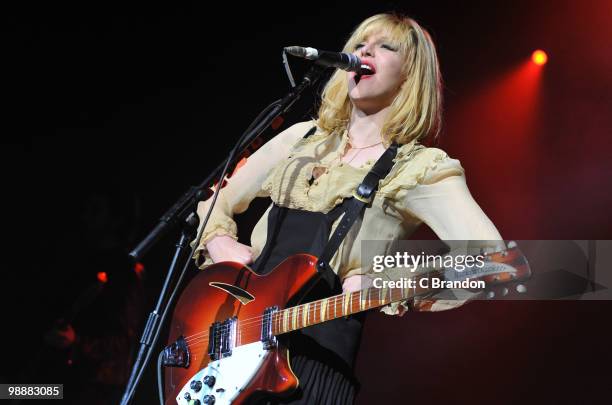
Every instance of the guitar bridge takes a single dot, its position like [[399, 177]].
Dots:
[[177, 354]]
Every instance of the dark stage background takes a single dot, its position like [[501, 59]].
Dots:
[[133, 102]]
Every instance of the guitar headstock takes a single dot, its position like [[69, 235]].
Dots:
[[504, 272]]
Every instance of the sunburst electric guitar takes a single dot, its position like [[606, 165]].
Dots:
[[223, 345]]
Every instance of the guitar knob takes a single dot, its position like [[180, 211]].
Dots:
[[187, 396], [490, 295], [209, 399], [511, 244], [504, 292], [195, 402], [195, 385], [520, 288], [209, 380]]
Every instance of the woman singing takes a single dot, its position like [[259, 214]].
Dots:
[[397, 99]]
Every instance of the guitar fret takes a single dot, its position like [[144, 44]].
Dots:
[[346, 302], [335, 304], [305, 319], [285, 320], [324, 305], [283, 327], [361, 300], [277, 322]]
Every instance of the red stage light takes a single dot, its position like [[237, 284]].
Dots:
[[539, 57], [102, 277], [139, 269]]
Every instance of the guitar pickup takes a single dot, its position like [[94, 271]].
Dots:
[[267, 336], [222, 338]]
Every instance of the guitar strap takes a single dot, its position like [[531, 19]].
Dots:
[[362, 197]]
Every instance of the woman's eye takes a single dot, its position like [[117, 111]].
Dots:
[[389, 47], [358, 46]]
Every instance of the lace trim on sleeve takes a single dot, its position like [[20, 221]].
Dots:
[[223, 226], [415, 168]]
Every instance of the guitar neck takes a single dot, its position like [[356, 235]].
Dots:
[[345, 304]]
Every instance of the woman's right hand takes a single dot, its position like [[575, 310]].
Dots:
[[224, 248]]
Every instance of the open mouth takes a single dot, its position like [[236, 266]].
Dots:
[[365, 72]]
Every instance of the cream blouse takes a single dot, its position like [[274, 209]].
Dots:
[[424, 185]]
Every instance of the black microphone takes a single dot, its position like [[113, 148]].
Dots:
[[340, 60]]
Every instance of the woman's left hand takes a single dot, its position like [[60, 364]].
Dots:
[[356, 283]]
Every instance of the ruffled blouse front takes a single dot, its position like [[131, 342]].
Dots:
[[292, 184]]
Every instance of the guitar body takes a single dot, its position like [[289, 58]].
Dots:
[[249, 365]]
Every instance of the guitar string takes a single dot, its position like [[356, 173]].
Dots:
[[225, 329], [332, 301], [242, 324], [276, 319], [250, 329], [243, 329]]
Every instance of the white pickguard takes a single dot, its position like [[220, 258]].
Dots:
[[232, 374]]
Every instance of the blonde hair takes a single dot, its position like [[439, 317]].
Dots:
[[416, 111]]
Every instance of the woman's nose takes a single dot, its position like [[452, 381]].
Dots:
[[366, 51]]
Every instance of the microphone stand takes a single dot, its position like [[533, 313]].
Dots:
[[183, 212]]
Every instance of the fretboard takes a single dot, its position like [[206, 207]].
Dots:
[[345, 304]]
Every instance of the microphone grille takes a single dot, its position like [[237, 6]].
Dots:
[[296, 51]]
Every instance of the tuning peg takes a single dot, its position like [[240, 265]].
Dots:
[[521, 288], [504, 292], [511, 244], [490, 295]]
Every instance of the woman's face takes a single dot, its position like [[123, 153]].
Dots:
[[373, 92]]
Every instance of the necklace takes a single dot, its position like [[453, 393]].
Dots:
[[365, 147], [338, 158], [359, 151]]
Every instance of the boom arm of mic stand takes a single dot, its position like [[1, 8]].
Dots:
[[181, 210]]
